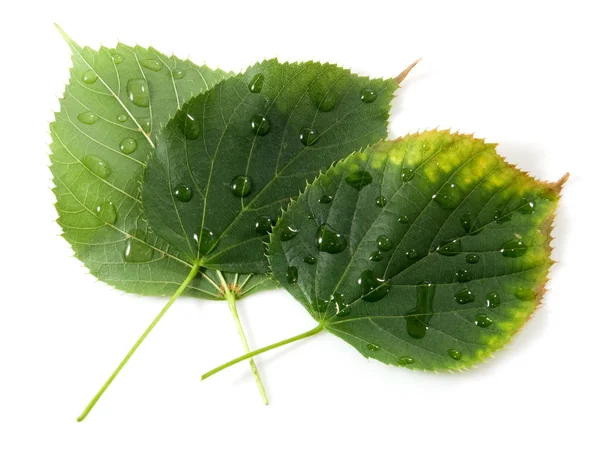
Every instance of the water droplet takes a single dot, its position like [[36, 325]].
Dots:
[[463, 275], [417, 320], [501, 218], [145, 124], [466, 221], [514, 248], [526, 206], [412, 254], [89, 77], [322, 96], [450, 247], [97, 166], [464, 296], [341, 308], [384, 243], [122, 117], [329, 240], [373, 288], [372, 347], [152, 65], [406, 360], [292, 274], [256, 84], [207, 240], [322, 305], [448, 197], [381, 201], [190, 127], [178, 74], [288, 233], [455, 354], [368, 95], [492, 300], [308, 136], [525, 294], [136, 250], [376, 256], [241, 186], [407, 174], [183, 193], [310, 260], [310, 216], [358, 179], [472, 258], [263, 225], [87, 117], [325, 199], [128, 145], [137, 91], [482, 320], [403, 219], [117, 58], [259, 125], [107, 212], [326, 102]]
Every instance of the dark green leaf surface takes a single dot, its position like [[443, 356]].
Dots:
[[115, 102], [228, 163], [428, 252]]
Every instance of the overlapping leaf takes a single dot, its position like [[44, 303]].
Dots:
[[428, 252]]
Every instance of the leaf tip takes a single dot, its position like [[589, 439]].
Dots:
[[400, 77]]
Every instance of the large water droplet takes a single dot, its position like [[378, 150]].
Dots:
[[308, 136], [455, 354], [448, 197], [288, 233], [381, 201], [372, 347], [464, 296], [403, 219], [417, 320], [107, 212], [325, 199], [97, 166], [263, 225], [329, 240], [87, 117], [241, 186], [384, 243], [525, 294], [406, 360], [373, 288], [463, 275], [526, 206], [117, 58], [292, 274], [359, 179], [137, 91], [128, 145], [122, 117], [259, 125], [368, 95], [483, 320], [472, 258], [310, 260], [152, 65], [407, 174], [450, 247], [376, 256], [492, 300], [256, 84], [178, 74], [136, 250], [206, 240], [89, 77], [183, 193], [514, 248]]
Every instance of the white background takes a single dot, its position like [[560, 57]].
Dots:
[[523, 74]]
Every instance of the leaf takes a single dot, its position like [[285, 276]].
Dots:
[[432, 253], [227, 163], [115, 102]]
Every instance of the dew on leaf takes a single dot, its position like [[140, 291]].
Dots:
[[368, 95], [514, 248], [107, 212], [117, 58], [472, 258], [87, 117], [89, 77], [178, 73], [372, 347], [137, 91], [450, 247], [145, 124], [359, 179], [525, 294], [310, 260], [97, 166], [341, 308], [376, 256], [263, 225], [455, 354], [463, 275], [329, 240], [384, 243], [492, 300], [464, 296], [325, 199], [526, 206], [259, 125], [412, 254], [183, 193], [136, 250], [403, 219], [373, 288], [122, 117], [407, 174], [501, 217], [292, 274], [241, 186], [466, 221], [406, 360], [448, 197], [288, 232], [381, 201], [152, 65], [417, 320], [128, 145], [483, 320], [308, 136], [256, 84], [205, 240], [190, 127]]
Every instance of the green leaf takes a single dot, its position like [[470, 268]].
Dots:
[[115, 103], [228, 163], [431, 254]]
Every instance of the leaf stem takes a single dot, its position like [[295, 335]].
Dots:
[[310, 333], [231, 301], [177, 293]]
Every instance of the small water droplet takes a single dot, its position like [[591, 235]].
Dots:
[[178, 74], [145, 124], [373, 288], [403, 219], [288, 232], [381, 201], [525, 294], [136, 250], [128, 145], [376, 256], [325, 199], [256, 84], [501, 218], [514, 248], [526, 206], [152, 65], [329, 240], [342, 309], [137, 91], [122, 117], [483, 320], [448, 197], [117, 58], [492, 300], [292, 274], [241, 186], [463, 275], [450, 247], [384, 243], [466, 221], [417, 320], [368, 95], [472, 258], [87, 117], [310, 216], [406, 360], [464, 296], [107, 212], [310, 260], [308, 136], [89, 77], [407, 174], [97, 166], [190, 127], [455, 354], [359, 179], [412, 254], [206, 240], [263, 225], [183, 193], [372, 347], [259, 125], [321, 306]]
